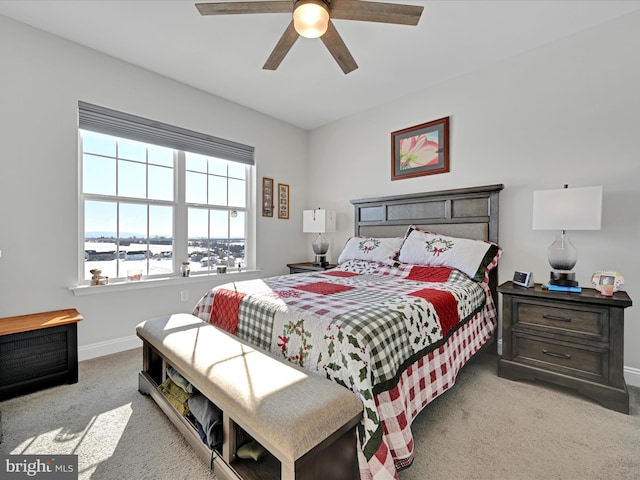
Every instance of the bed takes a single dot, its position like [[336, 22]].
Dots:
[[410, 302]]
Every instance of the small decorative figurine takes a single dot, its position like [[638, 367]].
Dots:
[[185, 269], [97, 278]]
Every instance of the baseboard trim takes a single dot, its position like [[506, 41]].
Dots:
[[632, 376], [101, 349]]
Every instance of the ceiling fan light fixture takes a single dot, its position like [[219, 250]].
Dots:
[[311, 18]]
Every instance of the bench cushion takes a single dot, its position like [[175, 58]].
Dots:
[[286, 409]]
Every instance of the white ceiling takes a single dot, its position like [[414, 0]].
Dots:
[[224, 55]]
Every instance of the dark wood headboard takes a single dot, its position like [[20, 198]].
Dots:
[[464, 212]]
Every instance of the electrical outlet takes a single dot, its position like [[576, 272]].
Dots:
[[184, 295]]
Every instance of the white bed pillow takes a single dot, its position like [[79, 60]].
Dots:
[[476, 258], [373, 249]]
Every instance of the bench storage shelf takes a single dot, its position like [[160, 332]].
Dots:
[[260, 397]]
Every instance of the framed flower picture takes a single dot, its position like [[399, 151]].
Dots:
[[420, 150]]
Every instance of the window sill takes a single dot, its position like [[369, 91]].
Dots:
[[122, 286]]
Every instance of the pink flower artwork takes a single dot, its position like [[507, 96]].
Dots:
[[418, 151]]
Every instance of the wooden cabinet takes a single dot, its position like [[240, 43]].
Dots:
[[38, 351], [571, 339], [308, 267]]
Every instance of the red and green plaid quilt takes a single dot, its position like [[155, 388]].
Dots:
[[369, 327]]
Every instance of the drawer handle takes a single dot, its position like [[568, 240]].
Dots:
[[556, 317], [554, 354]]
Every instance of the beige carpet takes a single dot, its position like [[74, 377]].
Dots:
[[484, 428], [116, 432], [488, 427]]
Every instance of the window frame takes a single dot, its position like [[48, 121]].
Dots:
[[180, 206]]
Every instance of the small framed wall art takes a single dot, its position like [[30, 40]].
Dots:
[[420, 150], [267, 197], [283, 201]]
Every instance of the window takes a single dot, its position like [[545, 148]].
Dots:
[[216, 198], [149, 203]]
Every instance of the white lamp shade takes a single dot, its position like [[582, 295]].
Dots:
[[568, 209], [318, 221]]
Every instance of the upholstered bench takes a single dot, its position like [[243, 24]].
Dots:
[[305, 422]]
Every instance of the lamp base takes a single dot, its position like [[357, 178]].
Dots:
[[563, 279], [320, 261], [320, 248]]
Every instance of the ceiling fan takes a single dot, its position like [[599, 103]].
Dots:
[[312, 19]]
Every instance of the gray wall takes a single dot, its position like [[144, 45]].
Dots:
[[563, 113], [568, 112], [42, 79]]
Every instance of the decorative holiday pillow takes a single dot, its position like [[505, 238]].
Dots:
[[476, 258], [373, 249]]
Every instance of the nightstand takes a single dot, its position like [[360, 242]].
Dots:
[[575, 340], [308, 267]]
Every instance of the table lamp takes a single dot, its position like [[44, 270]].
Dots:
[[566, 209], [319, 221]]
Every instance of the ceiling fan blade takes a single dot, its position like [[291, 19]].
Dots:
[[230, 8], [336, 46], [285, 43], [375, 12]]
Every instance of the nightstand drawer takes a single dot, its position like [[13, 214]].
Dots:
[[588, 362], [586, 322]]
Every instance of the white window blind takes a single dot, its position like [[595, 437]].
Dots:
[[112, 122]]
